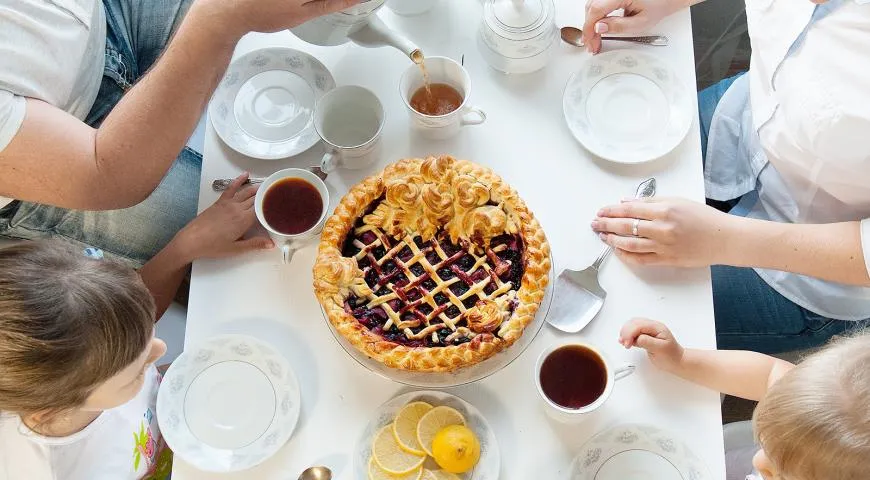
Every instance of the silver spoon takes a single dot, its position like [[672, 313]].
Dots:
[[577, 296], [316, 473], [574, 36], [222, 184]]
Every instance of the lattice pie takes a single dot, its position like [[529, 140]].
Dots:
[[432, 265]]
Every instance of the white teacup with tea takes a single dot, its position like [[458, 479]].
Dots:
[[436, 94], [575, 379], [291, 205]]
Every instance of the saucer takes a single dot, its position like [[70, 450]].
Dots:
[[264, 106], [228, 404], [628, 107], [487, 467], [637, 452]]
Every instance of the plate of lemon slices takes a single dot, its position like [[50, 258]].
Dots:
[[427, 435]]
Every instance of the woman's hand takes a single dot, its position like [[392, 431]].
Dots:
[[217, 232], [663, 349], [669, 231], [639, 17]]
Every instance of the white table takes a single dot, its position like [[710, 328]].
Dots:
[[525, 140]]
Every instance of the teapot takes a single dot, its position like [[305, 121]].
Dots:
[[360, 24]]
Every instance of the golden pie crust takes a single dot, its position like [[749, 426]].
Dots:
[[418, 197]]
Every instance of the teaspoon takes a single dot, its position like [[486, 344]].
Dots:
[[574, 36], [316, 473]]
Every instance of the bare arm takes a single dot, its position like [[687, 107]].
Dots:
[[733, 372], [217, 232], [830, 251], [738, 373], [58, 160]]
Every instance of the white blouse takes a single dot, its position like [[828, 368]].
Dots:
[[800, 118]]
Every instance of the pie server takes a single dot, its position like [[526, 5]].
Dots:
[[577, 296]]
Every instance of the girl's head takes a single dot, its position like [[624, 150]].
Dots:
[[75, 333], [814, 423]]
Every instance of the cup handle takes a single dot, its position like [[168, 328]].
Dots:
[[474, 116], [329, 162], [624, 371], [287, 251]]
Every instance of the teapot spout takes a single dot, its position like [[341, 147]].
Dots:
[[375, 33]]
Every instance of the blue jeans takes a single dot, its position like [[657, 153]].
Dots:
[[750, 314], [137, 32]]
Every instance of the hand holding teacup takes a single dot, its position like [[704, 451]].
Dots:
[[666, 231]]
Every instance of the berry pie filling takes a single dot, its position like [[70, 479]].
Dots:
[[433, 293]]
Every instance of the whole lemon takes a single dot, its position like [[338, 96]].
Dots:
[[456, 449]]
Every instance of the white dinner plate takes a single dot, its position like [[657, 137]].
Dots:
[[264, 106], [637, 452], [490, 459], [228, 404], [627, 107]]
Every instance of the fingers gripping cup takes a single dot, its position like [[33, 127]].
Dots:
[[575, 379], [292, 205], [349, 120]]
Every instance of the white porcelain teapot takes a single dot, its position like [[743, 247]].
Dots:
[[360, 24]]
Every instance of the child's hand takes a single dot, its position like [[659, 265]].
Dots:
[[217, 232], [663, 349]]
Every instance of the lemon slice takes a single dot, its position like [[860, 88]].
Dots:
[[438, 475], [405, 426], [432, 422], [376, 473], [390, 457]]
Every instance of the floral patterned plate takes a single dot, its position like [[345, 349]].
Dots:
[[228, 404], [490, 459], [637, 452], [628, 107], [264, 106]]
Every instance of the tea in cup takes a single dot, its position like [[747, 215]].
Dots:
[[291, 205], [436, 94], [575, 379]]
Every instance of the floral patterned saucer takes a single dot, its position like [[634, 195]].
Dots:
[[637, 452], [228, 404], [628, 107], [264, 106]]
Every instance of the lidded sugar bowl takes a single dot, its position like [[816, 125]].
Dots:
[[518, 36]]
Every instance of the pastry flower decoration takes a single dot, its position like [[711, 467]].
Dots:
[[433, 196]]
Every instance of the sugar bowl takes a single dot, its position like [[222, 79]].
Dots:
[[518, 36]]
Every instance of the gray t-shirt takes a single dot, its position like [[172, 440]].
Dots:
[[50, 50]]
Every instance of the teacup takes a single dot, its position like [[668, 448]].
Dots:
[[447, 71], [349, 119], [292, 230], [575, 379]]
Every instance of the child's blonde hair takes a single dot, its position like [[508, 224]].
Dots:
[[67, 324], [814, 423]]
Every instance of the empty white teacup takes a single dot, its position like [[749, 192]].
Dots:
[[349, 119], [291, 240], [447, 71], [575, 379]]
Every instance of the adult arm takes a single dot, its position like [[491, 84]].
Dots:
[[638, 17], [738, 373], [217, 232], [679, 232], [57, 159]]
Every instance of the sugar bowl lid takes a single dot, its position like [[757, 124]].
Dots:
[[518, 19]]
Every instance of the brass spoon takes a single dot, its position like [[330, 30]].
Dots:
[[574, 36], [316, 473]]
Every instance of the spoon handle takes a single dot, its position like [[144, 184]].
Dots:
[[222, 184], [656, 40]]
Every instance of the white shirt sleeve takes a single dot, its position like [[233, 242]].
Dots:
[[12, 108]]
